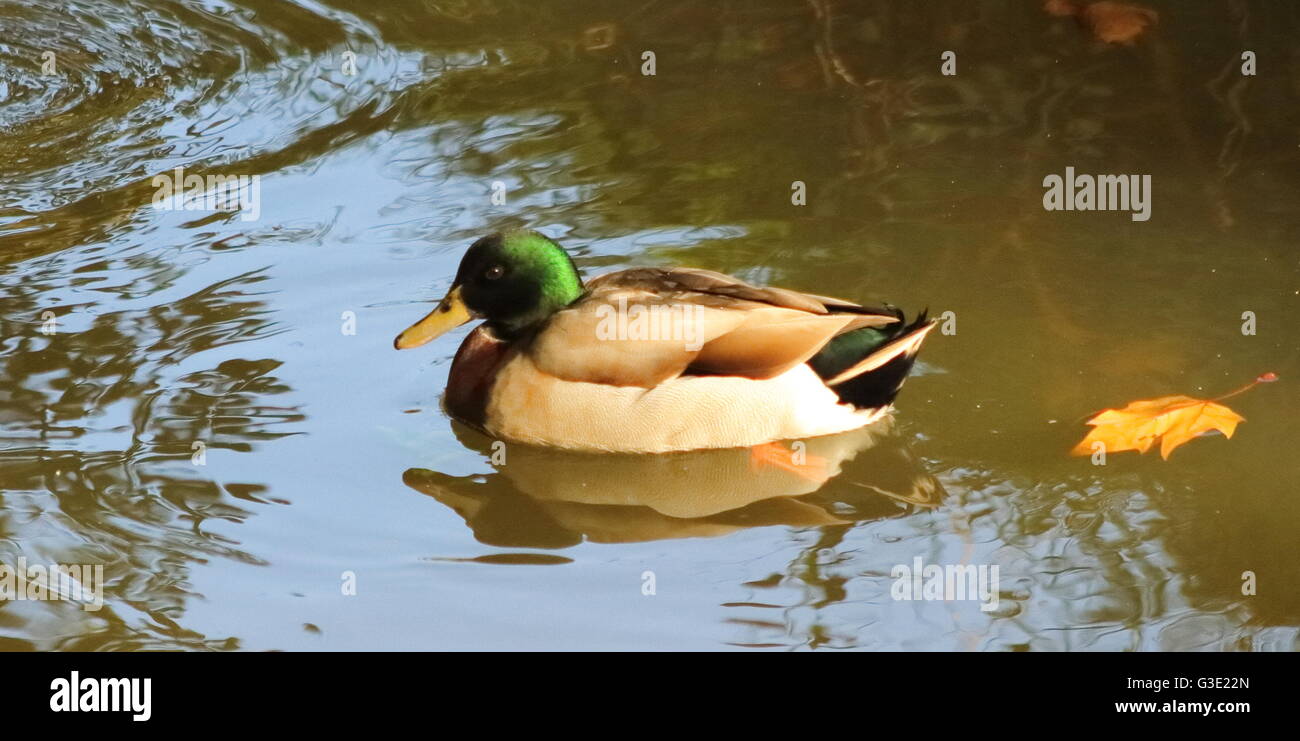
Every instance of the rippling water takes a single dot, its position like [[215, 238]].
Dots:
[[379, 129]]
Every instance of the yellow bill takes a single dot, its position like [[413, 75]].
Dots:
[[450, 313]]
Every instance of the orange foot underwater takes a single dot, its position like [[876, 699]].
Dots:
[[795, 460]]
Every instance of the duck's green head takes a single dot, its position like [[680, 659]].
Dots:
[[514, 279]]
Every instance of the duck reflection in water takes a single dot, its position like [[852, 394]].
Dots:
[[547, 498]]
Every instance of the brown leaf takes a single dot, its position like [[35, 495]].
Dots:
[[1060, 8], [1117, 23], [1171, 419]]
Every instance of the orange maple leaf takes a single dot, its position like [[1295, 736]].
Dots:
[[1173, 420]]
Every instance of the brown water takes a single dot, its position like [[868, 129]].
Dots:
[[326, 458]]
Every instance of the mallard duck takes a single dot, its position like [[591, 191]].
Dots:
[[657, 360]]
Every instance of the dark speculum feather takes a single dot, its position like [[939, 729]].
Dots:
[[876, 387]]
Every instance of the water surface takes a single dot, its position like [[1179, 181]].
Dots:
[[327, 459]]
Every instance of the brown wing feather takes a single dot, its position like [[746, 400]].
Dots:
[[665, 281], [628, 338], [768, 343], [698, 321]]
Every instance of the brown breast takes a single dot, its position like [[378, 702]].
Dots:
[[473, 371]]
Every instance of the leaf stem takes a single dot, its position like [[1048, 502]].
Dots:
[[1265, 378]]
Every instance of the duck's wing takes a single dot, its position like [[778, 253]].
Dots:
[[670, 281], [644, 326], [694, 284]]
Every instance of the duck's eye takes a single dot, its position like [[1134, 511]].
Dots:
[[494, 272]]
